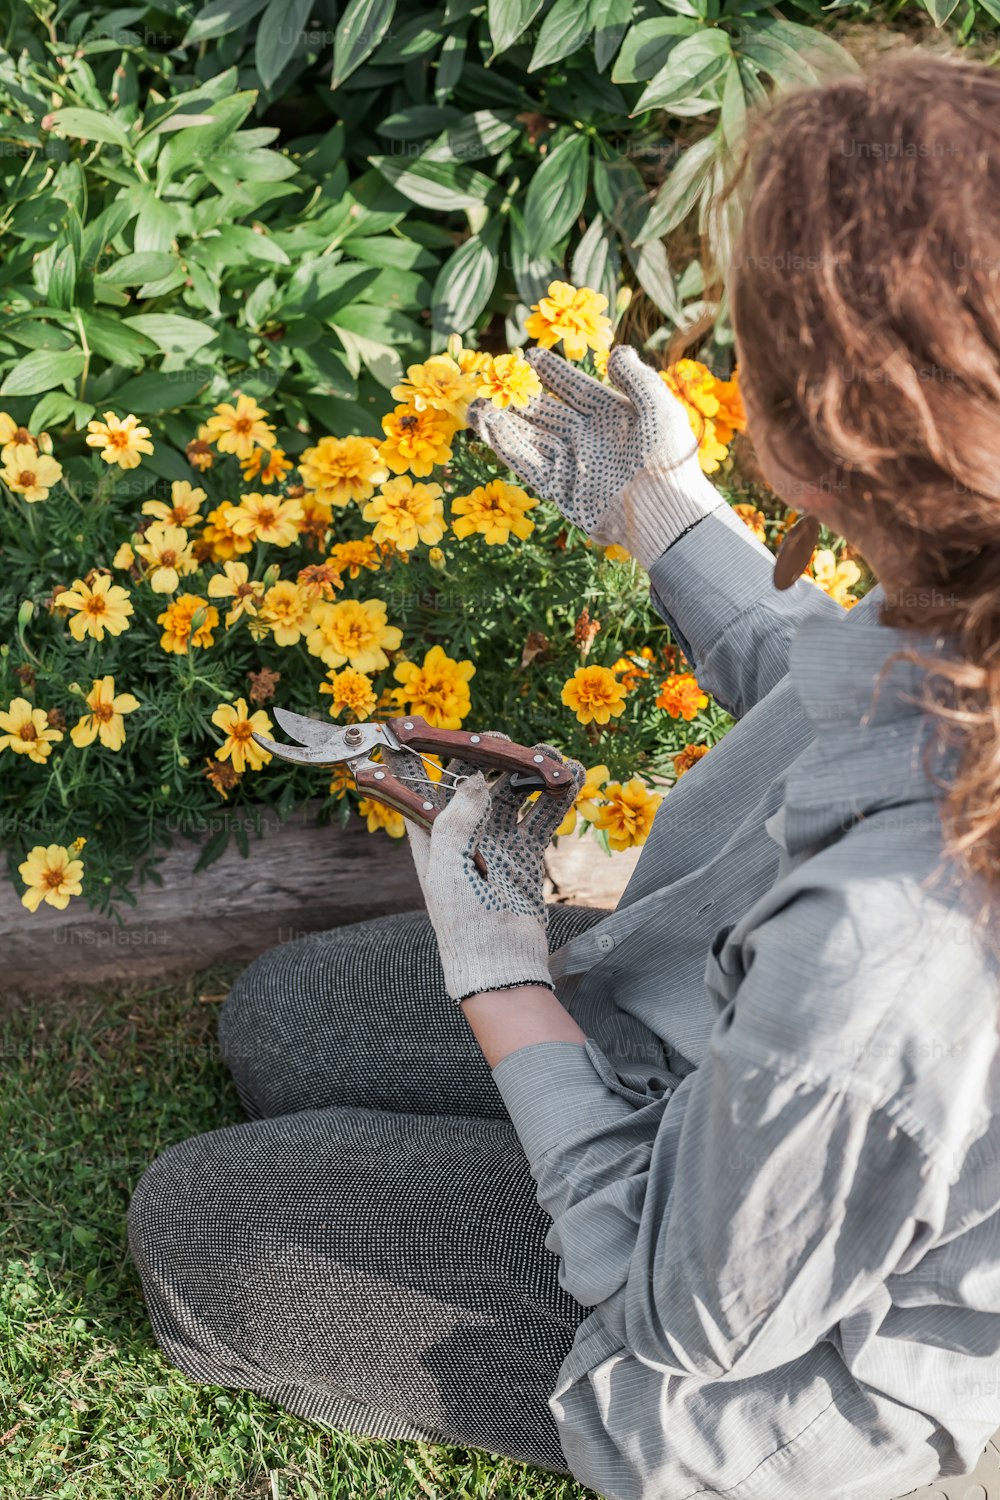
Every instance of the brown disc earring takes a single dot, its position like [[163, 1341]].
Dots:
[[795, 551]]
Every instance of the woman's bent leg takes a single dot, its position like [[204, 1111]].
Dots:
[[359, 1016], [380, 1273]]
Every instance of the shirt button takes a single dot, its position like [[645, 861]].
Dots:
[[605, 942]]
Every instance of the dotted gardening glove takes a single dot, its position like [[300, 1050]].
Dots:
[[491, 931], [621, 464]]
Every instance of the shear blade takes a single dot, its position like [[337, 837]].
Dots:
[[306, 731]]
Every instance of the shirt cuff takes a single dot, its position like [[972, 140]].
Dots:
[[553, 1092], [709, 576]]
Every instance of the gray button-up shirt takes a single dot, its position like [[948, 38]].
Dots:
[[774, 1169]]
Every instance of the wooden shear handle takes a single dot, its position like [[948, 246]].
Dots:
[[379, 783], [481, 749]]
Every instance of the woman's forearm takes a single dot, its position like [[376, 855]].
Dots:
[[504, 1020]]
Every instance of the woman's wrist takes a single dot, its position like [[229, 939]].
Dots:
[[506, 1020]]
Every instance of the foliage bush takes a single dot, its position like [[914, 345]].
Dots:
[[297, 202]]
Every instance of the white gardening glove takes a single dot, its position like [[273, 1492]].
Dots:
[[621, 464], [491, 931]]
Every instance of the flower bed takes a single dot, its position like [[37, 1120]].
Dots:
[[158, 618]]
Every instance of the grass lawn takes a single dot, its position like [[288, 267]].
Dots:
[[97, 1084]]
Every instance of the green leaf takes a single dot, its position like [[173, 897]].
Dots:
[[565, 28], [433, 184], [155, 226], [610, 20], [88, 125], [158, 391], [417, 38], [681, 189], [191, 146], [485, 132], [172, 333], [595, 262], [51, 411], [111, 337], [939, 10], [418, 121], [359, 31], [648, 45], [652, 271], [219, 17], [142, 265], [733, 115], [509, 19], [693, 65], [43, 370], [381, 359], [62, 279], [465, 284], [556, 194], [279, 35]]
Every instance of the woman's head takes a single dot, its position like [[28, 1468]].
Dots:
[[865, 295]]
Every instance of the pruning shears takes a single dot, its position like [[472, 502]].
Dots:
[[322, 744]]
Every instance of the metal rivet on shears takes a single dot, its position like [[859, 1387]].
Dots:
[[407, 725], [538, 757], [428, 806], [473, 739], [379, 775]]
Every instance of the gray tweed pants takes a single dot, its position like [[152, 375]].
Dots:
[[367, 1250]]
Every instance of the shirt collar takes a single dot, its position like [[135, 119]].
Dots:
[[871, 732]]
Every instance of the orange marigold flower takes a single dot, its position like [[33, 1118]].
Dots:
[[754, 518], [350, 557], [594, 694], [382, 818], [627, 813], [416, 440], [178, 619], [689, 756], [682, 696]]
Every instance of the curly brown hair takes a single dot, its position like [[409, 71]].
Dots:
[[865, 294]]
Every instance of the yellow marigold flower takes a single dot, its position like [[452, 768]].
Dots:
[[438, 689], [493, 510], [730, 417], [97, 607], [439, 383], [319, 581], [586, 801], [628, 670], [27, 731], [508, 380], [238, 724], [351, 690], [754, 518], [234, 582], [339, 470], [28, 472], [238, 429], [406, 513], [694, 385], [121, 442], [177, 621], [166, 551], [52, 876], [267, 518], [615, 553], [222, 777], [381, 817], [105, 717], [835, 577], [601, 362], [627, 813], [200, 457], [351, 557], [124, 557], [573, 314], [416, 440], [286, 611], [269, 463], [222, 540], [317, 518], [594, 694], [682, 696], [469, 361], [352, 631], [341, 782], [8, 429], [689, 756], [186, 501]]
